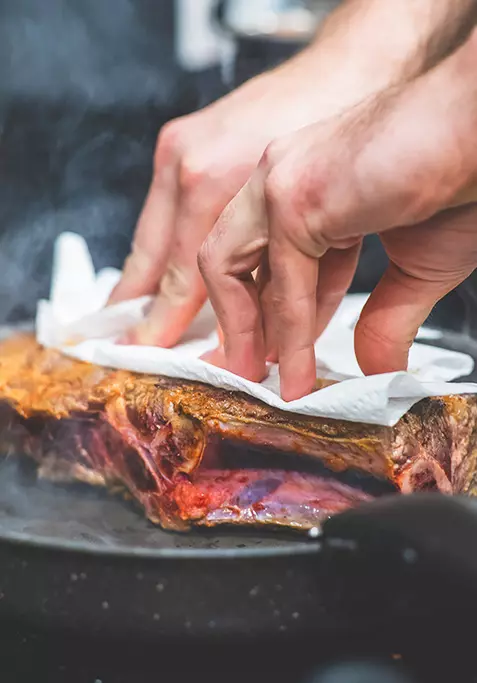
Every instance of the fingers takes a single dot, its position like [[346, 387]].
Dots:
[[293, 283], [428, 261], [227, 260], [185, 199], [266, 304], [391, 318], [294, 278], [337, 269], [182, 291], [274, 316], [217, 356], [145, 265]]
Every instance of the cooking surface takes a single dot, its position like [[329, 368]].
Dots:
[[83, 518], [278, 587]]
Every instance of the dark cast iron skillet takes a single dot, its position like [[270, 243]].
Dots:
[[84, 561]]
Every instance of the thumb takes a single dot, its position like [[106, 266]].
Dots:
[[391, 318]]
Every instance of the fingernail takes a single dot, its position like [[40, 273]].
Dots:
[[272, 357]]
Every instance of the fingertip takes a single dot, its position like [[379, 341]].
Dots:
[[255, 370], [294, 390], [116, 295], [380, 346], [121, 291], [215, 357], [298, 375], [130, 286], [245, 356], [272, 356]]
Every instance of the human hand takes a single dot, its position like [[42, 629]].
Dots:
[[389, 167], [202, 160]]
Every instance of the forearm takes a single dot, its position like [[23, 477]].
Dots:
[[438, 116], [368, 45]]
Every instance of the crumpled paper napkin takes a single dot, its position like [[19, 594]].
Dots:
[[76, 321]]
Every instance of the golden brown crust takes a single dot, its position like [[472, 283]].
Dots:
[[38, 381]]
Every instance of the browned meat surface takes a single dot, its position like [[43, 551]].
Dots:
[[83, 422]]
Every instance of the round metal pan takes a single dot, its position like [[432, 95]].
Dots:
[[86, 561]]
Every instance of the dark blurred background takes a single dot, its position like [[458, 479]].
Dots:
[[85, 86]]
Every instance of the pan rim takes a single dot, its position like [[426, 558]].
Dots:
[[18, 538]]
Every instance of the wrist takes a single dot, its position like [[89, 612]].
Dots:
[[432, 124]]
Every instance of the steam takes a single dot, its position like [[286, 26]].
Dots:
[[83, 515], [73, 513], [98, 54], [84, 88]]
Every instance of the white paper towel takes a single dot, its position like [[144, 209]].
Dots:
[[76, 321]]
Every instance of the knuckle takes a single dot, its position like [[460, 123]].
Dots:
[[421, 201], [192, 174], [311, 208], [304, 185], [171, 134], [138, 260], [274, 153], [311, 191], [279, 186], [302, 218], [169, 141], [301, 193]]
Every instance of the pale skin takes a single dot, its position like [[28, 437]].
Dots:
[[315, 194], [327, 177]]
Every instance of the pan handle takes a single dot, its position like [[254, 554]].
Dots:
[[431, 529]]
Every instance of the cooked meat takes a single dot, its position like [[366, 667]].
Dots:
[[93, 424]]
